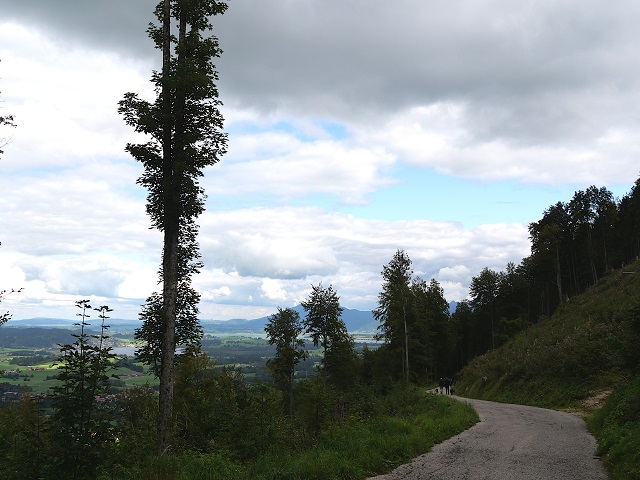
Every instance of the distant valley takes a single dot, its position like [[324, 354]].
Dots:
[[357, 321]]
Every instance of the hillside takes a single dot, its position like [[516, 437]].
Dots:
[[589, 345]]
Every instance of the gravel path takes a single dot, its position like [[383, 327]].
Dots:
[[511, 442]]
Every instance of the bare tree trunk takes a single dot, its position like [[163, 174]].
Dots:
[[592, 264], [558, 274], [406, 339]]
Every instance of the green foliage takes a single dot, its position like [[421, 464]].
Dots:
[[419, 340], [81, 425], [431, 334], [483, 292], [356, 450], [228, 428], [284, 330], [393, 302], [208, 403], [617, 426], [322, 321], [328, 330], [188, 328], [23, 442], [32, 360], [190, 466]]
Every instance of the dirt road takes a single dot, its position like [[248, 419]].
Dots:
[[511, 442]]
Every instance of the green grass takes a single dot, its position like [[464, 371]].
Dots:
[[617, 426], [354, 450], [367, 448]]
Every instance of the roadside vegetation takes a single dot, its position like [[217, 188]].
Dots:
[[399, 426]]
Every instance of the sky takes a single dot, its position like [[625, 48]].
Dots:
[[356, 128]]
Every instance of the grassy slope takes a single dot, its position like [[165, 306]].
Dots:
[[590, 346]]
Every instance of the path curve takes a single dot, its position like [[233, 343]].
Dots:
[[511, 442]]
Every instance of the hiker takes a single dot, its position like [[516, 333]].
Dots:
[[441, 385]]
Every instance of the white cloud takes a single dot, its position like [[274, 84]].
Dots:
[[324, 114], [64, 99], [438, 136], [272, 289], [283, 166]]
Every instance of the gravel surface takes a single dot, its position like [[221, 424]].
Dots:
[[511, 442]]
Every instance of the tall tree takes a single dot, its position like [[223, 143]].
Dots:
[[431, 342], [394, 305], [552, 244], [284, 330], [184, 125], [583, 215], [628, 228], [466, 341]]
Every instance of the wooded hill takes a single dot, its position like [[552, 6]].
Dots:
[[575, 245], [591, 343]]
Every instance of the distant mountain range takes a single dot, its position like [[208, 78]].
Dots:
[[357, 321]]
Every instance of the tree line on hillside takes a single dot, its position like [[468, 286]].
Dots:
[[573, 246]]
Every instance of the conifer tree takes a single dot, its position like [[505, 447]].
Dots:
[[323, 312], [394, 302], [323, 322], [82, 425]]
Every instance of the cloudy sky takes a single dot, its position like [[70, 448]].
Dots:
[[356, 128]]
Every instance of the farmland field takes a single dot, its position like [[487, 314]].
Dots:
[[28, 358]]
